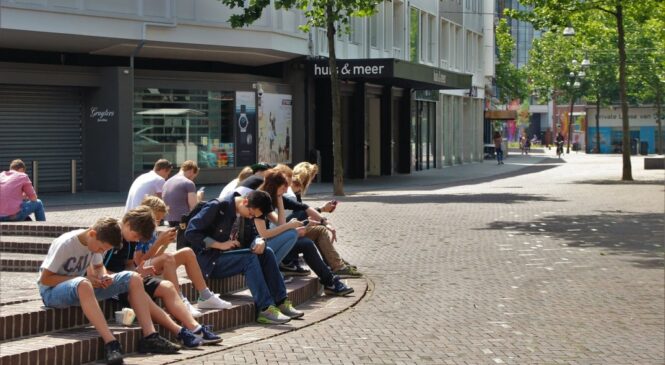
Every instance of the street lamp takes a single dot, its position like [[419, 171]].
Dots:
[[574, 84]]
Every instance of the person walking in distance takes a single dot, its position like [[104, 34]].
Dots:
[[498, 148]]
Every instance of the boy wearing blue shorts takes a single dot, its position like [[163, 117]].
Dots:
[[62, 284]]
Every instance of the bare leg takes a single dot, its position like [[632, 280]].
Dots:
[[93, 313], [186, 256], [138, 299], [166, 263], [174, 305], [160, 317]]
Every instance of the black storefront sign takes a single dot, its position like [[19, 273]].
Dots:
[[390, 71]]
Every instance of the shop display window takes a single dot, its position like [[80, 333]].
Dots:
[[183, 125]]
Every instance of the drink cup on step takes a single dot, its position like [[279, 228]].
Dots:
[[125, 316]]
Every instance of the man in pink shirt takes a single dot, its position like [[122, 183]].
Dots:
[[17, 196]]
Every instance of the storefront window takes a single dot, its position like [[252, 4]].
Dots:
[[183, 125]]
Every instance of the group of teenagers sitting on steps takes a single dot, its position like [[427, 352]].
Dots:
[[258, 226]]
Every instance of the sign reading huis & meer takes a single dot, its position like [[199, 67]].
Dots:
[[347, 69], [394, 72]]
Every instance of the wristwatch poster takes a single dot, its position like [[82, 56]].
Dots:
[[245, 128]]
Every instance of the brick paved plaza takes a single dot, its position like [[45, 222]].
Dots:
[[549, 262]]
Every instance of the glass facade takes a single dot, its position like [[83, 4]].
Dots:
[[183, 125]]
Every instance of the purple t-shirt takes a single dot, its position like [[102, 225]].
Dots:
[[175, 196]]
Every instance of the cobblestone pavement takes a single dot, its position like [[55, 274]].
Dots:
[[560, 266], [557, 263]]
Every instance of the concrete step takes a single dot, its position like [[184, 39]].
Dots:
[[25, 244], [15, 261], [44, 229], [82, 344]]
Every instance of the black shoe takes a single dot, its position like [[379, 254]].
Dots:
[[157, 344], [113, 353], [295, 270]]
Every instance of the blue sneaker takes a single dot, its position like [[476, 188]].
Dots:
[[188, 338], [337, 288], [207, 336]]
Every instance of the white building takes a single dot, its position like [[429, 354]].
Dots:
[[114, 85]]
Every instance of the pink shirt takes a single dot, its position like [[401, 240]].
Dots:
[[13, 185]]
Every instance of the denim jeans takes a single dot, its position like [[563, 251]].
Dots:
[[66, 295], [499, 154], [261, 274], [282, 243], [312, 258], [28, 207]]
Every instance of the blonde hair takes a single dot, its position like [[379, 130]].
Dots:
[[155, 204], [303, 174], [245, 173], [190, 165]]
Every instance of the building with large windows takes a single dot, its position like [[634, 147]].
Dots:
[[114, 85]]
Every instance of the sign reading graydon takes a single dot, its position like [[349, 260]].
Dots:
[[101, 115]]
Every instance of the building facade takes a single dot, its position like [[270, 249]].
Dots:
[[95, 91]]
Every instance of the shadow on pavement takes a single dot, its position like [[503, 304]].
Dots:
[[436, 178], [639, 235], [505, 198], [620, 182]]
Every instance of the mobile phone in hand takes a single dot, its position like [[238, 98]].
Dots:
[[305, 222]]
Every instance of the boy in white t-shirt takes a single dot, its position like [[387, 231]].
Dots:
[[62, 284], [150, 183]]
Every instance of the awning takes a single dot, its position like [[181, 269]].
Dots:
[[390, 71], [500, 114]]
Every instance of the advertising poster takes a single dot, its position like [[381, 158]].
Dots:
[[275, 128], [245, 128]]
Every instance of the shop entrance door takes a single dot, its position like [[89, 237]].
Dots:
[[423, 122]]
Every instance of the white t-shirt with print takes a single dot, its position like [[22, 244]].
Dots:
[[67, 256], [147, 184]]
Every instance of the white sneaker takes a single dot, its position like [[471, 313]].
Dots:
[[193, 311], [214, 302]]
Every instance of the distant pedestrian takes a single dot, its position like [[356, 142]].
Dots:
[[18, 198], [150, 183], [498, 140]]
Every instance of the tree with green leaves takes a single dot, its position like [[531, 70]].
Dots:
[[556, 14], [331, 15], [510, 81]]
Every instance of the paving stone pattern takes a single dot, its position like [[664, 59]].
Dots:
[[557, 264], [539, 261]]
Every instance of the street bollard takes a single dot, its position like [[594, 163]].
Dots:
[[73, 164], [35, 174]]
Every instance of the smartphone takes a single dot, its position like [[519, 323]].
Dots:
[[305, 222], [202, 189]]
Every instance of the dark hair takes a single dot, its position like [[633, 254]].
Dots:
[[260, 166], [141, 221], [108, 231], [272, 181], [260, 200]]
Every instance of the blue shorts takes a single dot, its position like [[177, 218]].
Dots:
[[66, 293]]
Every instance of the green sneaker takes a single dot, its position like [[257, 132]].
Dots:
[[347, 271], [272, 315], [288, 310]]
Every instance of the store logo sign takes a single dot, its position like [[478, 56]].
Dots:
[[439, 77], [101, 116], [346, 69]]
